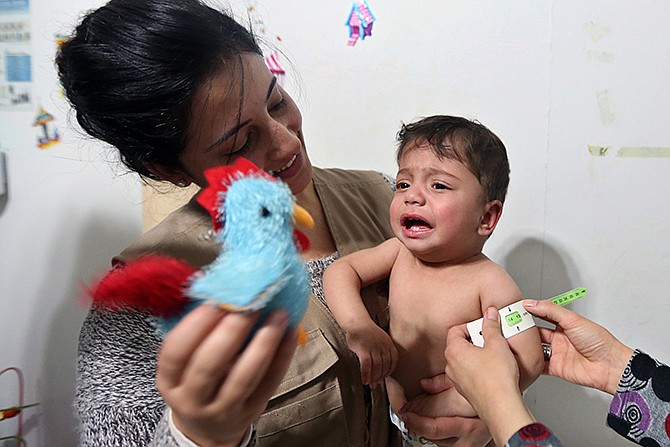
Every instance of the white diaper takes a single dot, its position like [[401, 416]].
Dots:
[[407, 439]]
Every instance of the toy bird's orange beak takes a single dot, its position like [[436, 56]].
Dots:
[[302, 217]]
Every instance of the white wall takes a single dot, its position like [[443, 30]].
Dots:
[[550, 78], [68, 211]]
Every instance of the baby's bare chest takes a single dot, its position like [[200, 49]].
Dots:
[[422, 308], [425, 300]]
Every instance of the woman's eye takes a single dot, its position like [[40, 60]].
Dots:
[[279, 106], [242, 149]]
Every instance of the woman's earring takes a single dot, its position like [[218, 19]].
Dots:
[[182, 183]]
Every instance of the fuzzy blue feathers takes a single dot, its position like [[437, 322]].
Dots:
[[259, 266]]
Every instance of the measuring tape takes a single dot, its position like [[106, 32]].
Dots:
[[516, 319]]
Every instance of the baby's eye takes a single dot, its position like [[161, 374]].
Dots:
[[401, 185], [438, 185]]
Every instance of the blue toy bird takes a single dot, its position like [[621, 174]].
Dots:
[[259, 266]]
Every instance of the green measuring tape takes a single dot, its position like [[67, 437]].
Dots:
[[517, 318], [569, 296]]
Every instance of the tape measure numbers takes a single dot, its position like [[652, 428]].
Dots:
[[568, 297]]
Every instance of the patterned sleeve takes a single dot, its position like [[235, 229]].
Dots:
[[535, 435], [172, 436], [390, 180], [640, 409]]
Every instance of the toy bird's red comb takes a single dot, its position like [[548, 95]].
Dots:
[[218, 181]]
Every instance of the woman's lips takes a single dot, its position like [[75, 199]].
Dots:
[[286, 170]]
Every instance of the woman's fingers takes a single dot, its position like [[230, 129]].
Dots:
[[252, 365], [182, 341], [210, 363], [549, 311], [491, 327], [436, 384], [546, 334], [277, 370]]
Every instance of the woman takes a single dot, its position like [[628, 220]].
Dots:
[[178, 87], [582, 352]]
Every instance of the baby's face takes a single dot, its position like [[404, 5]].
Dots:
[[438, 206]]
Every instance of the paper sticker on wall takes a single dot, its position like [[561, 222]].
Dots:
[[600, 56], [595, 32], [15, 56], [598, 151], [644, 152], [49, 133], [360, 22]]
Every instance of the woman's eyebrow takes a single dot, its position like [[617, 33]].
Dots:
[[240, 125], [228, 134], [272, 87]]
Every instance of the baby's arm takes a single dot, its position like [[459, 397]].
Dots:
[[342, 283], [500, 290]]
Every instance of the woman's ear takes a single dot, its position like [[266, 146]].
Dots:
[[490, 218], [173, 175]]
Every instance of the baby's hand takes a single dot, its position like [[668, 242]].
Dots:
[[445, 403], [376, 352]]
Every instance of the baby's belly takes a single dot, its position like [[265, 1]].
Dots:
[[420, 334], [418, 358]]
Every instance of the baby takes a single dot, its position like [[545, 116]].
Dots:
[[450, 188]]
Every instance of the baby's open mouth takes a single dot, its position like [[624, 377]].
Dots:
[[414, 222]]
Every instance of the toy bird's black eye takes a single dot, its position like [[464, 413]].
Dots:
[[265, 212]]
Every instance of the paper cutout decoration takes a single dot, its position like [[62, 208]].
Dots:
[[360, 22], [49, 138], [597, 150], [273, 63], [270, 53]]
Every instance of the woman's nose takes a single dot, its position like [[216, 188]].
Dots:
[[283, 141]]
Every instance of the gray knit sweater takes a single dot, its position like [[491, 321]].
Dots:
[[117, 401]]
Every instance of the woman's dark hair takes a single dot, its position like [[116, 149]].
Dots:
[[469, 142], [132, 68]]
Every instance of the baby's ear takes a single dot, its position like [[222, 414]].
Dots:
[[490, 218]]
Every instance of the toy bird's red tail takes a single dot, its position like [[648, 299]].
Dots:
[[153, 283]]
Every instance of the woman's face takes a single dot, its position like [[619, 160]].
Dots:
[[243, 112]]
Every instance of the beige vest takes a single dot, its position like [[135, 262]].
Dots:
[[308, 408]]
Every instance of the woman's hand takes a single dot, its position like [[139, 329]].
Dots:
[[477, 372], [582, 352], [488, 377], [446, 403], [449, 431], [445, 431], [215, 391]]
